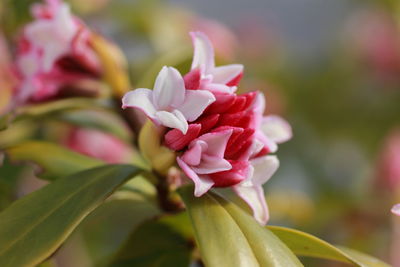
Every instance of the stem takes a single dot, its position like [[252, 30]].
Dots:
[[165, 201]]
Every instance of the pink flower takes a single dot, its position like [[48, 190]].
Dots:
[[228, 141], [396, 209], [54, 51], [376, 36], [169, 104], [389, 162], [93, 143]]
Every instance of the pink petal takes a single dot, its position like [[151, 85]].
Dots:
[[202, 183], [227, 73], [235, 81], [239, 142], [276, 129], [196, 101], [193, 155], [216, 142], [238, 105], [169, 89], [211, 164], [238, 173], [174, 119], [396, 209], [203, 57], [192, 79], [140, 98], [222, 103], [176, 140], [254, 197], [207, 122]]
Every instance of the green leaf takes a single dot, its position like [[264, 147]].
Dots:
[[109, 226], [104, 121], [33, 227], [303, 244], [154, 244], [227, 236], [39, 110], [54, 160]]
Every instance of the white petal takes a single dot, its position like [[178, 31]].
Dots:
[[225, 74], [254, 197], [174, 119], [216, 142], [140, 98], [396, 209], [203, 56], [196, 101], [201, 182], [210, 164], [219, 88], [169, 89], [64, 22], [264, 168], [276, 128]]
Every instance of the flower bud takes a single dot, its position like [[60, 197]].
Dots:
[[113, 63], [159, 157]]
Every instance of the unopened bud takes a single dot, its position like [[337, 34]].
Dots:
[[160, 157]]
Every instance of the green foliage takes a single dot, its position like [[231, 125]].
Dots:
[[54, 160], [227, 236], [37, 111], [303, 244], [108, 227], [32, 228], [154, 244]]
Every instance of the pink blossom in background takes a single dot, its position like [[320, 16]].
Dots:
[[388, 171], [54, 52], [98, 144], [376, 36], [228, 141]]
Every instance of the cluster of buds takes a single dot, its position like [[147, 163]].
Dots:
[[54, 52], [221, 138]]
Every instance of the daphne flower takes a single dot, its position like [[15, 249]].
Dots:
[[169, 104], [53, 36], [228, 141], [396, 209], [205, 74], [53, 53]]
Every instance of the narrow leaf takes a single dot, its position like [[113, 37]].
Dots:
[[303, 244], [154, 244], [54, 160], [108, 227], [227, 236], [33, 227]]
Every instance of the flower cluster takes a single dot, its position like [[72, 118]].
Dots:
[[53, 53], [221, 138]]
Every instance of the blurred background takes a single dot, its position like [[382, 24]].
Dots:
[[331, 68]]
